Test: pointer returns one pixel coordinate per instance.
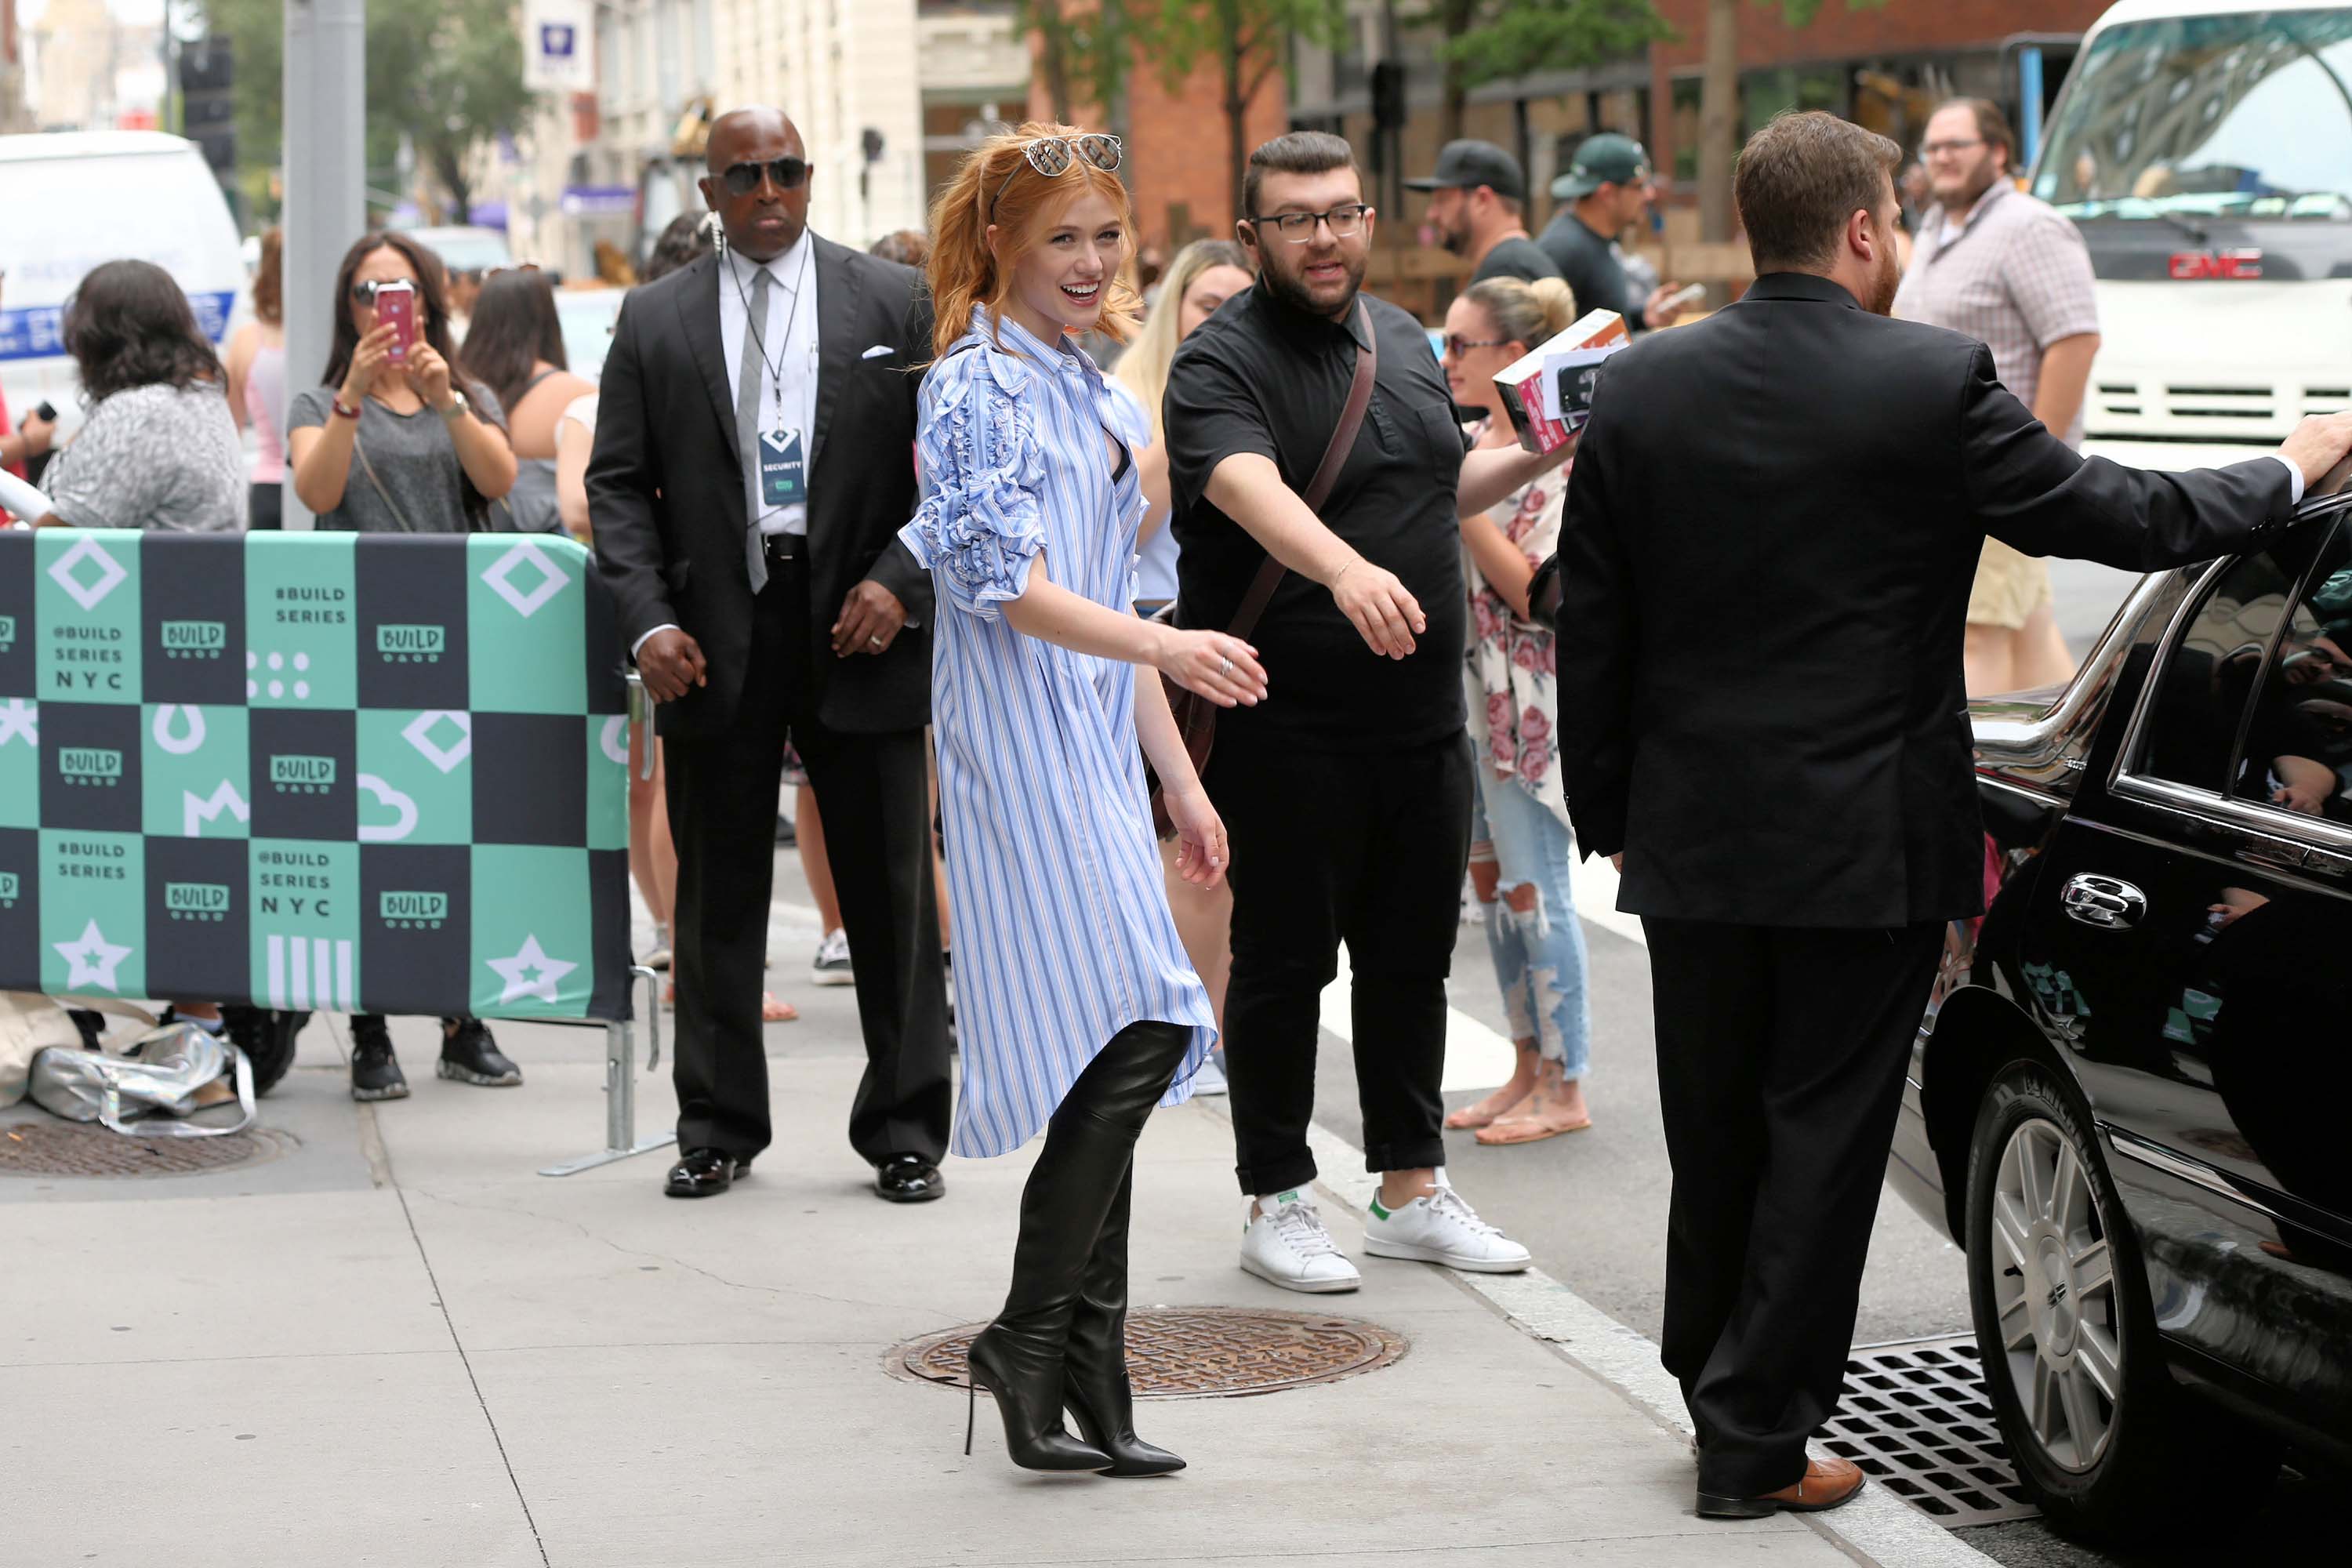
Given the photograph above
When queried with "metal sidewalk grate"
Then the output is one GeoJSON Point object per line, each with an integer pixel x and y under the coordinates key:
{"type": "Point", "coordinates": [1914, 1417]}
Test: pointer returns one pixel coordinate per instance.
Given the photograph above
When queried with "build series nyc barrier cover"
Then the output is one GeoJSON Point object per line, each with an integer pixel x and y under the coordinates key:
{"type": "Point", "coordinates": [331, 771]}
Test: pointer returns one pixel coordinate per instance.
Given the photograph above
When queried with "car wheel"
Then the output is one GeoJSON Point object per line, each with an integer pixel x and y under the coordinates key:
{"type": "Point", "coordinates": [267, 1037]}
{"type": "Point", "coordinates": [2098, 1430]}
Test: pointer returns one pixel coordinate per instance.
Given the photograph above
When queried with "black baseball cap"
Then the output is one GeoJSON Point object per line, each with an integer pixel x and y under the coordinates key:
{"type": "Point", "coordinates": [1468, 165]}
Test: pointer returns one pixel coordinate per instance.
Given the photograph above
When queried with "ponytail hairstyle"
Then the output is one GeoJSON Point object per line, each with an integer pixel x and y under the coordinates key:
{"type": "Point", "coordinates": [965, 271]}
{"type": "Point", "coordinates": [1526, 313]}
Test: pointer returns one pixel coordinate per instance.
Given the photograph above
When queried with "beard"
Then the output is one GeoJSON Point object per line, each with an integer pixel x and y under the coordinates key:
{"type": "Point", "coordinates": [1457, 241]}
{"type": "Point", "coordinates": [1286, 282]}
{"type": "Point", "coordinates": [1883, 284]}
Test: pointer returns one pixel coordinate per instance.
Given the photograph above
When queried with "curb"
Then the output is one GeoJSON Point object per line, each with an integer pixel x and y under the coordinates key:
{"type": "Point", "coordinates": [1877, 1527]}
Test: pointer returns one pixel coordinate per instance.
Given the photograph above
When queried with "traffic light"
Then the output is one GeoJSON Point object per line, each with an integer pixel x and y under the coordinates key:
{"type": "Point", "coordinates": [1387, 95]}
{"type": "Point", "coordinates": [207, 105]}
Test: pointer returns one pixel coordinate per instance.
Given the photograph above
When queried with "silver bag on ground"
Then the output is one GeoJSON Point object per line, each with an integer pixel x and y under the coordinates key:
{"type": "Point", "coordinates": [160, 1076]}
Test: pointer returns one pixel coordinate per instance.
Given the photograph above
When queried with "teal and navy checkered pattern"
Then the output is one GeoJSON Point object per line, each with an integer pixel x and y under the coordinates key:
{"type": "Point", "coordinates": [327, 770]}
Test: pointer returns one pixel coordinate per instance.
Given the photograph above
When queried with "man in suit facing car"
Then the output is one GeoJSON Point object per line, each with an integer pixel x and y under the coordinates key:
{"type": "Point", "coordinates": [1772, 527]}
{"type": "Point", "coordinates": [753, 467]}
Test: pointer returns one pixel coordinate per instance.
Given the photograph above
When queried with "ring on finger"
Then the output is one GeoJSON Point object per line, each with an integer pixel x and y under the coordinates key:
{"type": "Point", "coordinates": [1226, 668]}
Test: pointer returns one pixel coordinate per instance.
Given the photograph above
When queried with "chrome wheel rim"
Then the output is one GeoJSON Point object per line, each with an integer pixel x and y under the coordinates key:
{"type": "Point", "coordinates": [2053, 1288]}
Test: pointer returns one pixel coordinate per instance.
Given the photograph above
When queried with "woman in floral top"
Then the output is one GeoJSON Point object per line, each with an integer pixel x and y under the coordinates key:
{"type": "Point", "coordinates": [1521, 852]}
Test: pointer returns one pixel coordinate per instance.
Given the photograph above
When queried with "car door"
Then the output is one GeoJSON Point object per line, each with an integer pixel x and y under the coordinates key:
{"type": "Point", "coordinates": [2191, 940]}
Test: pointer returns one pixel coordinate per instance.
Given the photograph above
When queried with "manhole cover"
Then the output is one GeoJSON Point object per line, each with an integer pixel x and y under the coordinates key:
{"type": "Point", "coordinates": [1200, 1353]}
{"type": "Point", "coordinates": [1914, 1417]}
{"type": "Point", "coordinates": [70, 1149]}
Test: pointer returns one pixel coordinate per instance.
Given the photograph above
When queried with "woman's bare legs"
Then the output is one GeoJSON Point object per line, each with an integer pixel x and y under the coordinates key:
{"type": "Point", "coordinates": [1204, 920]}
{"type": "Point", "coordinates": [653, 859]}
{"type": "Point", "coordinates": [808, 831]}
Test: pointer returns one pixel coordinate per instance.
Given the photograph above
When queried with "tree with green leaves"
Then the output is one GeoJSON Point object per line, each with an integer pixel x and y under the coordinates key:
{"type": "Point", "coordinates": [1719, 103]}
{"type": "Point", "coordinates": [1246, 40]}
{"type": "Point", "coordinates": [1083, 50]}
{"type": "Point", "coordinates": [448, 74]}
{"type": "Point", "coordinates": [1495, 40]}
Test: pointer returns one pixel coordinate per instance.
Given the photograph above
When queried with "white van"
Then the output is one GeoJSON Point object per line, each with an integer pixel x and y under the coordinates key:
{"type": "Point", "coordinates": [79, 199]}
{"type": "Point", "coordinates": [2204, 149]}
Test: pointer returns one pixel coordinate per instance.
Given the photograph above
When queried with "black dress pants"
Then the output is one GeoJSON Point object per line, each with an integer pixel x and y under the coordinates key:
{"type": "Point", "coordinates": [1365, 847]}
{"type": "Point", "coordinates": [1781, 1060]}
{"type": "Point", "coordinates": [877, 833]}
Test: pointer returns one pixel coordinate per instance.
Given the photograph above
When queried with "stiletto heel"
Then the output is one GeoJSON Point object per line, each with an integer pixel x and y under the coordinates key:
{"type": "Point", "coordinates": [1028, 1395]}
{"type": "Point", "coordinates": [971, 1413]}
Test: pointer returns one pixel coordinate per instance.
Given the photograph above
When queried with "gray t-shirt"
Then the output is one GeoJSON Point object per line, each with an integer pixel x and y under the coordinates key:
{"type": "Point", "coordinates": [413, 455]}
{"type": "Point", "coordinates": [154, 457]}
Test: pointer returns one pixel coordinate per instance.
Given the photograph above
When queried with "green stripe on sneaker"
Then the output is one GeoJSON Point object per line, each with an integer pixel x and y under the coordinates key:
{"type": "Point", "coordinates": [1378, 1212]}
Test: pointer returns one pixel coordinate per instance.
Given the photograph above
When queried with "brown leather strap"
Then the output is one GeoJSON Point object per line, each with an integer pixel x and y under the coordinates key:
{"type": "Point", "coordinates": [1327, 474]}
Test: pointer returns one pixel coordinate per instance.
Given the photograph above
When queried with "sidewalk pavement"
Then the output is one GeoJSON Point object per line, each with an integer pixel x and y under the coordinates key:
{"type": "Point", "coordinates": [397, 1344]}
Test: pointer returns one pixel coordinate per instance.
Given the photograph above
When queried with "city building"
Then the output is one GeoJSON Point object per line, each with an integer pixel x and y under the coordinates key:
{"type": "Point", "coordinates": [90, 70]}
{"type": "Point", "coordinates": [973, 65]}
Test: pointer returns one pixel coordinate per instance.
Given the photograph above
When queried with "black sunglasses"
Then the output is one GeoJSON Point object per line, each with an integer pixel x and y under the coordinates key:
{"type": "Point", "coordinates": [788, 173]}
{"type": "Point", "coordinates": [363, 292]}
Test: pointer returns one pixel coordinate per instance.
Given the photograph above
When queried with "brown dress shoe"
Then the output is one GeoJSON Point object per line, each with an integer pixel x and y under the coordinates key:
{"type": "Point", "coordinates": [1825, 1484]}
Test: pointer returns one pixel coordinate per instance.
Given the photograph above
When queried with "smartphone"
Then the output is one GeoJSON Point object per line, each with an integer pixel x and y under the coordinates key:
{"type": "Point", "coordinates": [1683, 299]}
{"type": "Point", "coordinates": [395, 306]}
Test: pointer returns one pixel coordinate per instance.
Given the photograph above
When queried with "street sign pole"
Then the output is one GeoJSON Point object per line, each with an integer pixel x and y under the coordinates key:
{"type": "Point", "coordinates": [325, 124]}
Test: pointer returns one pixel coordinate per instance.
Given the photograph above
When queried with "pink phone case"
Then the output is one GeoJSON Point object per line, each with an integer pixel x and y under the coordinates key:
{"type": "Point", "coordinates": [397, 306]}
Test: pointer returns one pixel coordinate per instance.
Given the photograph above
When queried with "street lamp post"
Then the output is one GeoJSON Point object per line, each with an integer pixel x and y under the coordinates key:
{"type": "Point", "coordinates": [326, 166]}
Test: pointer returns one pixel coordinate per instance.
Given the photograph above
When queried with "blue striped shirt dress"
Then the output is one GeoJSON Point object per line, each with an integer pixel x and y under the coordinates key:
{"type": "Point", "coordinates": [1063, 934]}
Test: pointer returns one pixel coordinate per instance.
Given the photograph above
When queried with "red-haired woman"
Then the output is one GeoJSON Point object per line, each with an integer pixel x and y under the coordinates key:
{"type": "Point", "coordinates": [1075, 1005]}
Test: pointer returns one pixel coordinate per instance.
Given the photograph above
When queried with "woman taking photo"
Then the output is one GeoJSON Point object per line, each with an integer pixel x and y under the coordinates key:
{"type": "Point", "coordinates": [1077, 1008]}
{"type": "Point", "coordinates": [257, 383]}
{"type": "Point", "coordinates": [1204, 274]}
{"type": "Point", "coordinates": [1521, 849]}
{"type": "Point", "coordinates": [388, 449]}
{"type": "Point", "coordinates": [515, 344]}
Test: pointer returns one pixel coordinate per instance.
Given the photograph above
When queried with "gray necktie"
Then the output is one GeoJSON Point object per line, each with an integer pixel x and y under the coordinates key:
{"type": "Point", "coordinates": [747, 427]}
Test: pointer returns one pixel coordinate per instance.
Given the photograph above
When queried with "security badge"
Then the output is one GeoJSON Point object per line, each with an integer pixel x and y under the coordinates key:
{"type": "Point", "coordinates": [783, 471]}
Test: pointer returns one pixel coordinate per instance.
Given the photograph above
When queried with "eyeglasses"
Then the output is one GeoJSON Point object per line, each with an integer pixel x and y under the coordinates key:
{"type": "Point", "coordinates": [1940, 148]}
{"type": "Point", "coordinates": [1298, 228]}
{"type": "Point", "coordinates": [1053, 156]}
{"type": "Point", "coordinates": [1457, 345]}
{"type": "Point", "coordinates": [787, 173]}
{"type": "Point", "coordinates": [363, 292]}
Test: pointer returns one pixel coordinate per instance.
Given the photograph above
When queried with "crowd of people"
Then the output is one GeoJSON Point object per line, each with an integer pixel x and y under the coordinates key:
{"type": "Point", "coordinates": [1174, 681]}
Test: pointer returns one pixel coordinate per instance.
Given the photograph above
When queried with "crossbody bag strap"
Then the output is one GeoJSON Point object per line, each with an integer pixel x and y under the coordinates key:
{"type": "Point", "coordinates": [1327, 474]}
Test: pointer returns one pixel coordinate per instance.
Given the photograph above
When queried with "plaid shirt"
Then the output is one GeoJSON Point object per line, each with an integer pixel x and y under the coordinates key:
{"type": "Point", "coordinates": [2012, 274]}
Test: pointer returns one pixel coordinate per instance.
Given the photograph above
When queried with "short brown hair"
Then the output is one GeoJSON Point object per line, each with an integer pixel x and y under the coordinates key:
{"type": "Point", "coordinates": [1300, 153]}
{"type": "Point", "coordinates": [1992, 125]}
{"type": "Point", "coordinates": [1799, 178]}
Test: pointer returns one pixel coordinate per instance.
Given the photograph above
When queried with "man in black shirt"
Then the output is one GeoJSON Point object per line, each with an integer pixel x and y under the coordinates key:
{"type": "Point", "coordinates": [1347, 793]}
{"type": "Point", "coordinates": [1609, 185]}
{"type": "Point", "coordinates": [1477, 208]}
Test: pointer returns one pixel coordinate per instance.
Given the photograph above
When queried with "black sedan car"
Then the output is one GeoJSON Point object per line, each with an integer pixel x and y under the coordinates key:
{"type": "Point", "coordinates": [2131, 1097]}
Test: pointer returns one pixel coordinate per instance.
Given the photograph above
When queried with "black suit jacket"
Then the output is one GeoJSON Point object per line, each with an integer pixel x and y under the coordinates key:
{"type": "Point", "coordinates": [665, 486]}
{"type": "Point", "coordinates": [1771, 529]}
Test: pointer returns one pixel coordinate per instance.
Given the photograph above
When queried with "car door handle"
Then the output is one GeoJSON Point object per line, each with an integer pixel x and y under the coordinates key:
{"type": "Point", "coordinates": [2105, 901]}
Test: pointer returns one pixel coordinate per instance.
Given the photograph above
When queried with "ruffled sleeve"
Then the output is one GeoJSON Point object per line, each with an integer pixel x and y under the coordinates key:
{"type": "Point", "coordinates": [981, 521]}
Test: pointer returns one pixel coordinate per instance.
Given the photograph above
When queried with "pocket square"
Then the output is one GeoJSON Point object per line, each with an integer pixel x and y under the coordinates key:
{"type": "Point", "coordinates": [879, 351]}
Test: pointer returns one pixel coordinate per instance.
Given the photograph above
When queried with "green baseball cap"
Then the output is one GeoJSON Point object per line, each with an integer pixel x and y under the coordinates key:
{"type": "Point", "coordinates": [1607, 159]}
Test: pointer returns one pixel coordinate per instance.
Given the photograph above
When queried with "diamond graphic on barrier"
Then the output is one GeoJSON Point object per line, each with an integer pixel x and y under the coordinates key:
{"type": "Point", "coordinates": [93, 959]}
{"type": "Point", "coordinates": [110, 574]}
{"type": "Point", "coordinates": [20, 719]}
{"type": "Point", "coordinates": [531, 961]}
{"type": "Point", "coordinates": [419, 735]}
{"type": "Point", "coordinates": [552, 578]}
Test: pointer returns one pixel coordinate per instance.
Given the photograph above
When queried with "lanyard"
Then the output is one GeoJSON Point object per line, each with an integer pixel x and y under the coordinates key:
{"type": "Point", "coordinates": [775, 368]}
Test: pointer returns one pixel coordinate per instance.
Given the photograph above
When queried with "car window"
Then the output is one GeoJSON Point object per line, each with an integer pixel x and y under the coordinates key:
{"type": "Point", "coordinates": [2298, 748]}
{"type": "Point", "coordinates": [2202, 698]}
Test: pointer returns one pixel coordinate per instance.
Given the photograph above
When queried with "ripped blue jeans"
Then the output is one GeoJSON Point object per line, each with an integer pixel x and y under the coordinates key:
{"type": "Point", "coordinates": [1532, 931]}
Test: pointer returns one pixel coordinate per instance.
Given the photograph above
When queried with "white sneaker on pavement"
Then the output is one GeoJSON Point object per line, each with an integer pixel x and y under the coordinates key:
{"type": "Point", "coordinates": [1288, 1246]}
{"type": "Point", "coordinates": [1211, 1079]}
{"type": "Point", "coordinates": [831, 966]}
{"type": "Point", "coordinates": [1442, 1227]}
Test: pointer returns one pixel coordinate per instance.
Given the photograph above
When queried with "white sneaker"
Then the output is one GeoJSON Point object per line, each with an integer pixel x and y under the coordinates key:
{"type": "Point", "coordinates": [1442, 1228]}
{"type": "Point", "coordinates": [831, 964]}
{"type": "Point", "coordinates": [1288, 1246]}
{"type": "Point", "coordinates": [1211, 1079]}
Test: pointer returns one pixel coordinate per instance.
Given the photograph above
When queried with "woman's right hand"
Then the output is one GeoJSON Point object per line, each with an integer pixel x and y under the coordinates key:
{"type": "Point", "coordinates": [1224, 669]}
{"type": "Point", "coordinates": [368, 361]}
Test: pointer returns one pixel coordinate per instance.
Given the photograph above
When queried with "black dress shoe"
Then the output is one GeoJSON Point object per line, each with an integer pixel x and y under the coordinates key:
{"type": "Point", "coordinates": [704, 1174]}
{"type": "Point", "coordinates": [909, 1179]}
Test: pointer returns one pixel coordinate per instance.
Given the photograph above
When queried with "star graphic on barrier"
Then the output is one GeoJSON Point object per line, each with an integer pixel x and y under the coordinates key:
{"type": "Point", "coordinates": [531, 961]}
{"type": "Point", "coordinates": [20, 719]}
{"type": "Point", "coordinates": [93, 959]}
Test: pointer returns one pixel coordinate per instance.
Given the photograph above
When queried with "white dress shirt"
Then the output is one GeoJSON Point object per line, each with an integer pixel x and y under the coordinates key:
{"type": "Point", "coordinates": [790, 330]}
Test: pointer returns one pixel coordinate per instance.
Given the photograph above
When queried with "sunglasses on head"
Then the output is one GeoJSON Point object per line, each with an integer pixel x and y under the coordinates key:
{"type": "Point", "coordinates": [1056, 156]}
{"type": "Point", "coordinates": [786, 173]}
